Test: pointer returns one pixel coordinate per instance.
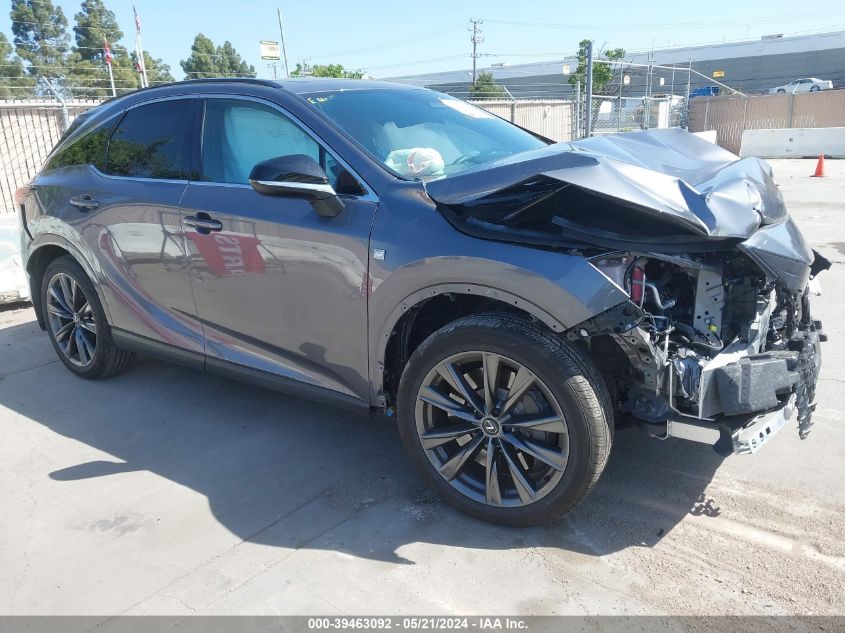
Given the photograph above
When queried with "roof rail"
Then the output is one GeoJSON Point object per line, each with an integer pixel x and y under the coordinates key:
{"type": "Point", "coordinates": [203, 80]}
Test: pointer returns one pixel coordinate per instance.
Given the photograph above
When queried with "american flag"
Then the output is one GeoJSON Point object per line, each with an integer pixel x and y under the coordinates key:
{"type": "Point", "coordinates": [137, 19]}
{"type": "Point", "coordinates": [107, 50]}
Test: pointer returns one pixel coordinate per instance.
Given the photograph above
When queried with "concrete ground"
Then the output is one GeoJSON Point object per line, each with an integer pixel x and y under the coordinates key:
{"type": "Point", "coordinates": [165, 491]}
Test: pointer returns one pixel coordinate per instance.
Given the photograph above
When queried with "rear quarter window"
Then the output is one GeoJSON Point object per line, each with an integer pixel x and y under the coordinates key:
{"type": "Point", "coordinates": [88, 149]}
{"type": "Point", "coordinates": [153, 141]}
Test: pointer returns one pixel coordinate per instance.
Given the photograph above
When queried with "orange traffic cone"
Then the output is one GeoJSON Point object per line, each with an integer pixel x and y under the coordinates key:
{"type": "Point", "coordinates": [819, 167]}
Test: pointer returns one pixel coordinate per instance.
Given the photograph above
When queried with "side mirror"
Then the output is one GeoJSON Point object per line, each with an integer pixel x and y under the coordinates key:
{"type": "Point", "coordinates": [297, 176]}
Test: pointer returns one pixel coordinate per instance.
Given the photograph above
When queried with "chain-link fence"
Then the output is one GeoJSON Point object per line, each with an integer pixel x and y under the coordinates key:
{"type": "Point", "coordinates": [611, 115]}
{"type": "Point", "coordinates": [28, 131]}
{"type": "Point", "coordinates": [627, 96]}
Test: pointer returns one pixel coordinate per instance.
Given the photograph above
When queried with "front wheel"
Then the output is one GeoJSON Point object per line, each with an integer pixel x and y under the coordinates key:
{"type": "Point", "coordinates": [509, 423]}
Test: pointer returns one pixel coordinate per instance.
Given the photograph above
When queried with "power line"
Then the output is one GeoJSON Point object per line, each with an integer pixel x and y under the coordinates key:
{"type": "Point", "coordinates": [416, 63]}
{"type": "Point", "coordinates": [790, 17]}
{"type": "Point", "coordinates": [392, 43]}
{"type": "Point", "coordinates": [65, 26]}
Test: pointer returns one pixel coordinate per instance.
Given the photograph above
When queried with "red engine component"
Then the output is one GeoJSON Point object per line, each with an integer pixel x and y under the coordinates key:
{"type": "Point", "coordinates": [637, 284]}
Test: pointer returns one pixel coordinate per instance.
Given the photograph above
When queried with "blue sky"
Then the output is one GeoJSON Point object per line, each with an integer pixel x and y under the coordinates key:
{"type": "Point", "coordinates": [388, 39]}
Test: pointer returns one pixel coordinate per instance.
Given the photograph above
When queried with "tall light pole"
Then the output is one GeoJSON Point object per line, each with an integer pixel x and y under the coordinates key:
{"type": "Point", "coordinates": [284, 50]}
{"type": "Point", "coordinates": [476, 39]}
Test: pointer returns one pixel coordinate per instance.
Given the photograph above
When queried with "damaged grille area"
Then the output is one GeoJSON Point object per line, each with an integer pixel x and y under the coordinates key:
{"type": "Point", "coordinates": [717, 341]}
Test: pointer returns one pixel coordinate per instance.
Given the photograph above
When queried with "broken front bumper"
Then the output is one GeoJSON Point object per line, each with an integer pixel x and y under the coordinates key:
{"type": "Point", "coordinates": [746, 439]}
{"type": "Point", "coordinates": [759, 394]}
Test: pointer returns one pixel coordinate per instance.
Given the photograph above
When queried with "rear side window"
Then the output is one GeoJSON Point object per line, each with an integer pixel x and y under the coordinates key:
{"type": "Point", "coordinates": [153, 141]}
{"type": "Point", "coordinates": [88, 149]}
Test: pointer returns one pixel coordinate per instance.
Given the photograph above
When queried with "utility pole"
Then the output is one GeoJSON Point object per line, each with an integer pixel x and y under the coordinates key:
{"type": "Point", "coordinates": [588, 90]}
{"type": "Point", "coordinates": [284, 50]}
{"type": "Point", "coordinates": [476, 39]}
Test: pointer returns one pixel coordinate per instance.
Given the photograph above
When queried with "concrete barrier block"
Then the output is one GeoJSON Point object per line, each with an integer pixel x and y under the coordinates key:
{"type": "Point", "coordinates": [794, 143]}
{"type": "Point", "coordinates": [13, 282]}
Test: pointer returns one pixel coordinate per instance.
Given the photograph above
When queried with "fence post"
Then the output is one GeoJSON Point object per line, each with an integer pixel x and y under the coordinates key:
{"type": "Point", "coordinates": [619, 112]}
{"type": "Point", "coordinates": [744, 117]}
{"type": "Point", "coordinates": [588, 92]}
{"type": "Point", "coordinates": [577, 110]}
{"type": "Point", "coordinates": [790, 109]}
{"type": "Point", "coordinates": [706, 113]}
{"type": "Point", "coordinates": [65, 120]}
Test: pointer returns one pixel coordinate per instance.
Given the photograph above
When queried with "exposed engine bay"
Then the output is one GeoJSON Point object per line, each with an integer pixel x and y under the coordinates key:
{"type": "Point", "coordinates": [716, 342]}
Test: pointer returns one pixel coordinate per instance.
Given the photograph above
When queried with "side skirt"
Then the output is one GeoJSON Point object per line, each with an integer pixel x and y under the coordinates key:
{"type": "Point", "coordinates": [142, 345]}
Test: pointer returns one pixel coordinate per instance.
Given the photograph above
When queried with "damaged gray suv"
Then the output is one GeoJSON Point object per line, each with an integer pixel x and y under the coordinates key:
{"type": "Point", "coordinates": [395, 250]}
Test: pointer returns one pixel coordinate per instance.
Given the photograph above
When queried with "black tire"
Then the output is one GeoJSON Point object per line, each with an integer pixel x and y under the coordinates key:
{"type": "Point", "coordinates": [781, 91]}
{"type": "Point", "coordinates": [563, 372]}
{"type": "Point", "coordinates": [814, 89]}
{"type": "Point", "coordinates": [107, 358]}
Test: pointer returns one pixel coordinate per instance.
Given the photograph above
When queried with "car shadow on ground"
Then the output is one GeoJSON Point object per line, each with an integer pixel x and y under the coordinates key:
{"type": "Point", "coordinates": [285, 472]}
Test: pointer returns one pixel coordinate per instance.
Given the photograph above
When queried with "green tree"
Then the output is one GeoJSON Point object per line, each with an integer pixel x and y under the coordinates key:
{"type": "Point", "coordinates": [326, 70]}
{"type": "Point", "coordinates": [94, 22]}
{"type": "Point", "coordinates": [230, 64]}
{"type": "Point", "coordinates": [41, 37]}
{"type": "Point", "coordinates": [602, 73]}
{"type": "Point", "coordinates": [88, 75]}
{"type": "Point", "coordinates": [157, 71]}
{"type": "Point", "coordinates": [208, 60]}
{"type": "Point", "coordinates": [15, 83]}
{"type": "Point", "coordinates": [485, 87]}
{"type": "Point", "coordinates": [201, 61]}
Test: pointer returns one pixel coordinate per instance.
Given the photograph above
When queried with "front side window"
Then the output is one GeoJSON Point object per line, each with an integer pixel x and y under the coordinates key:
{"type": "Point", "coordinates": [238, 134]}
{"type": "Point", "coordinates": [153, 141]}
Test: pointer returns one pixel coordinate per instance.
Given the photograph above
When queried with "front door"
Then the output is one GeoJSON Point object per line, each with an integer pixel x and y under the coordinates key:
{"type": "Point", "coordinates": [277, 287]}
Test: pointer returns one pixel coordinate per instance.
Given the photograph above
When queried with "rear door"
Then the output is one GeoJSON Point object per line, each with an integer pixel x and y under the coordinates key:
{"type": "Point", "coordinates": [278, 288]}
{"type": "Point", "coordinates": [132, 224]}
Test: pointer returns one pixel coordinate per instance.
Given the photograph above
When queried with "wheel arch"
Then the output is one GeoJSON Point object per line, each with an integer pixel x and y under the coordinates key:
{"type": "Point", "coordinates": [45, 250]}
{"type": "Point", "coordinates": [426, 310]}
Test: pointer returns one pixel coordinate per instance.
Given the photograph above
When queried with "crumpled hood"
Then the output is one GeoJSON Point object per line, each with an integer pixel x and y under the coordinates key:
{"type": "Point", "coordinates": [668, 175]}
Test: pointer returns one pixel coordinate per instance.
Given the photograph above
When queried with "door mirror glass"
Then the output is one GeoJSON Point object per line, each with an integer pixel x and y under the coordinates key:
{"type": "Point", "coordinates": [297, 176]}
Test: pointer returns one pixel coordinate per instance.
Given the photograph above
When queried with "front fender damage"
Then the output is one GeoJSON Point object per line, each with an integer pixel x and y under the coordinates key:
{"type": "Point", "coordinates": [716, 342]}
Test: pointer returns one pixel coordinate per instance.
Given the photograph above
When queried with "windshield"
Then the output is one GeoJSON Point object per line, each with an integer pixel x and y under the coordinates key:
{"type": "Point", "coordinates": [420, 133]}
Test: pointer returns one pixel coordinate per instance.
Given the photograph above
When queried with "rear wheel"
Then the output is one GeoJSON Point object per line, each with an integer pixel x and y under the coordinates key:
{"type": "Point", "coordinates": [814, 89]}
{"type": "Point", "coordinates": [77, 323]}
{"type": "Point", "coordinates": [508, 422]}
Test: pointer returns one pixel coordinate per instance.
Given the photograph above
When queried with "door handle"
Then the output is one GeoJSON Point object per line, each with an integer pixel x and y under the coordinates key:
{"type": "Point", "coordinates": [84, 202]}
{"type": "Point", "coordinates": [203, 224]}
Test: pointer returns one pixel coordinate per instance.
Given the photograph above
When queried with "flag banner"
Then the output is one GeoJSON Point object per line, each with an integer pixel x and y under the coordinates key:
{"type": "Point", "coordinates": [107, 51]}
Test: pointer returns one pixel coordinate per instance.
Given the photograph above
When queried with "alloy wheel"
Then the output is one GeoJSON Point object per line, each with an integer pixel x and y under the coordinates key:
{"type": "Point", "coordinates": [492, 429]}
{"type": "Point", "coordinates": [71, 320]}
